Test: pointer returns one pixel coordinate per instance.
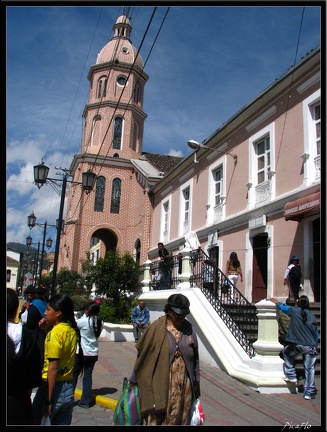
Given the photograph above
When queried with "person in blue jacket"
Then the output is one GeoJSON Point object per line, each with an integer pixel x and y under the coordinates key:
{"type": "Point", "coordinates": [302, 338]}
{"type": "Point", "coordinates": [140, 318]}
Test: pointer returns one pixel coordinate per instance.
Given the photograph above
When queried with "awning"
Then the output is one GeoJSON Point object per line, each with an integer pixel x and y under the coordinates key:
{"type": "Point", "coordinates": [303, 207]}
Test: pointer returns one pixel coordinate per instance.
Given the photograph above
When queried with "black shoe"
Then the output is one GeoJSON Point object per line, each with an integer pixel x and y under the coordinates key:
{"type": "Point", "coordinates": [83, 405]}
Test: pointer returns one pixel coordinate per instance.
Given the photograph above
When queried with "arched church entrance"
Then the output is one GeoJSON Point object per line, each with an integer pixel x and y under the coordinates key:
{"type": "Point", "coordinates": [108, 240]}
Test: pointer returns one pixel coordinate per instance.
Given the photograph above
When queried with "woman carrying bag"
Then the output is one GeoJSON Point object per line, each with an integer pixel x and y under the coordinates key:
{"type": "Point", "coordinates": [167, 366]}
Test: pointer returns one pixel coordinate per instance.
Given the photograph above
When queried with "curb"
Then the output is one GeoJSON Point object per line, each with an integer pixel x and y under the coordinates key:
{"type": "Point", "coordinates": [99, 400]}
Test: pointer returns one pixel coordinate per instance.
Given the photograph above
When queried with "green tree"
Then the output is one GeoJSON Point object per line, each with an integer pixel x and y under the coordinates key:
{"type": "Point", "coordinates": [113, 276]}
{"type": "Point", "coordinates": [70, 282]}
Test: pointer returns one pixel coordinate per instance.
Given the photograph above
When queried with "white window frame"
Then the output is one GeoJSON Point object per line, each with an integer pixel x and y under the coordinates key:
{"type": "Point", "coordinates": [165, 219]}
{"type": "Point", "coordinates": [95, 126]}
{"type": "Point", "coordinates": [102, 87]}
{"type": "Point", "coordinates": [263, 192]}
{"type": "Point", "coordinates": [185, 226]}
{"type": "Point", "coordinates": [216, 212]}
{"type": "Point", "coordinates": [136, 136]}
{"type": "Point", "coordinates": [310, 156]}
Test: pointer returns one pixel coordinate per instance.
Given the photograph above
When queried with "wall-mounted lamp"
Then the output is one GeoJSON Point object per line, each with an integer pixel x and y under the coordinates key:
{"type": "Point", "coordinates": [194, 145]}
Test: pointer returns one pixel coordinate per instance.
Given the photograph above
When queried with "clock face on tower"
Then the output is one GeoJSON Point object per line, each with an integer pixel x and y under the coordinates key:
{"type": "Point", "coordinates": [121, 80]}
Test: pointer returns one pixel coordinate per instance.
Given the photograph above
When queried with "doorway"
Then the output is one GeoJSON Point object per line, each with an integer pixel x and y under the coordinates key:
{"type": "Point", "coordinates": [259, 245]}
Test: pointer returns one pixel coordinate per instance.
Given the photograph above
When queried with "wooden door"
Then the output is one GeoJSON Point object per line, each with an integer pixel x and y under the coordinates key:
{"type": "Point", "coordinates": [259, 283]}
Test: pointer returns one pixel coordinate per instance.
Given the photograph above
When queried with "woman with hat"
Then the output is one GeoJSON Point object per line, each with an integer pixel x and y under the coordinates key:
{"type": "Point", "coordinates": [167, 366]}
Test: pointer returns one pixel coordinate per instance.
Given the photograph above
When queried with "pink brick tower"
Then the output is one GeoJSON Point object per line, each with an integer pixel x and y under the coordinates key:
{"type": "Point", "coordinates": [117, 213]}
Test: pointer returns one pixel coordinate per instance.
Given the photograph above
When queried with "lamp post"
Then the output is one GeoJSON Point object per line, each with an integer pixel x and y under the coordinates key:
{"type": "Point", "coordinates": [194, 145]}
{"type": "Point", "coordinates": [36, 260]}
{"type": "Point", "coordinates": [40, 178]}
{"type": "Point", "coordinates": [31, 222]}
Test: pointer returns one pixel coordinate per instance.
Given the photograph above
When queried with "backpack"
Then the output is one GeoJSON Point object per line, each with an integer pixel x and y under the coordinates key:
{"type": "Point", "coordinates": [295, 272]}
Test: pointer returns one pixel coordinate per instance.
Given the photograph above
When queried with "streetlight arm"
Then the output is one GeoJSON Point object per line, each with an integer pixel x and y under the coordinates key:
{"type": "Point", "coordinates": [194, 145]}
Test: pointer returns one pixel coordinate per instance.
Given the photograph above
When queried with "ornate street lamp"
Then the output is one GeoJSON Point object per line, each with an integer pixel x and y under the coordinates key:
{"type": "Point", "coordinates": [41, 177]}
{"type": "Point", "coordinates": [31, 222]}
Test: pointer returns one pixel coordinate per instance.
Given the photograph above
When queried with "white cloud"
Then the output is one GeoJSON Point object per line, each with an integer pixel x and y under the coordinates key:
{"type": "Point", "coordinates": [206, 64]}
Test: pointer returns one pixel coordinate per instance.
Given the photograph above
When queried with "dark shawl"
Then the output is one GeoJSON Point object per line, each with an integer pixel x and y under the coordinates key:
{"type": "Point", "coordinates": [151, 370]}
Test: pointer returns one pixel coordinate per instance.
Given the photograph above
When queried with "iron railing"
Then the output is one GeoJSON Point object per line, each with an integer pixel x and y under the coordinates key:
{"type": "Point", "coordinates": [234, 309]}
{"type": "Point", "coordinates": [230, 304]}
{"type": "Point", "coordinates": [166, 276]}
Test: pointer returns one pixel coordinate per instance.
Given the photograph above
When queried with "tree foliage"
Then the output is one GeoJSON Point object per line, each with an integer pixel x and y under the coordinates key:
{"type": "Point", "coordinates": [115, 274]}
{"type": "Point", "coordinates": [70, 282]}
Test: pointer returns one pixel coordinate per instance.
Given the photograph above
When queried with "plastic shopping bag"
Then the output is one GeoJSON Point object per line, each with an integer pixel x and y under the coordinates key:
{"type": "Point", "coordinates": [196, 417]}
{"type": "Point", "coordinates": [128, 408]}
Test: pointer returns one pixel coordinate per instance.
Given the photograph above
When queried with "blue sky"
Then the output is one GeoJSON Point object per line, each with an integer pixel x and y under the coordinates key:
{"type": "Point", "coordinates": [206, 64]}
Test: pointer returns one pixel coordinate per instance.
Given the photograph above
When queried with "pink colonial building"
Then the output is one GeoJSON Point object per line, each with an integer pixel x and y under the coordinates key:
{"type": "Point", "coordinates": [252, 186]}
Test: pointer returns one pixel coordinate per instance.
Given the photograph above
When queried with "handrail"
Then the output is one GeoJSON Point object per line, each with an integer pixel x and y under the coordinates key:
{"type": "Point", "coordinates": [173, 270]}
{"type": "Point", "coordinates": [234, 309]}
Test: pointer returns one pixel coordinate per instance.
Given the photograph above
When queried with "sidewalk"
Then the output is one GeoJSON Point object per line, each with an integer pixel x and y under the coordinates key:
{"type": "Point", "coordinates": [225, 400]}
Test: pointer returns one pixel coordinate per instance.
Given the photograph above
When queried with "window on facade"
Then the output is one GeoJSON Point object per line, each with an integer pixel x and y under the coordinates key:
{"type": "Point", "coordinates": [94, 241]}
{"type": "Point", "coordinates": [99, 194]}
{"type": "Point", "coordinates": [138, 251]}
{"type": "Point", "coordinates": [102, 87]}
{"type": "Point", "coordinates": [262, 148]}
{"type": "Point", "coordinates": [166, 216]}
{"type": "Point", "coordinates": [95, 135]}
{"type": "Point", "coordinates": [186, 195]}
{"type": "Point", "coordinates": [136, 136]}
{"type": "Point", "coordinates": [8, 275]}
{"type": "Point", "coordinates": [218, 180]}
{"type": "Point", "coordinates": [115, 196]}
{"type": "Point", "coordinates": [117, 135]}
{"type": "Point", "coordinates": [316, 119]}
{"type": "Point", "coordinates": [137, 94]}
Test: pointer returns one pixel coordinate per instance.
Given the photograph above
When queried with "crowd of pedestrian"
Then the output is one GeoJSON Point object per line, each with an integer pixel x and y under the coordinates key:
{"type": "Point", "coordinates": [52, 350]}
{"type": "Point", "coordinates": [42, 345]}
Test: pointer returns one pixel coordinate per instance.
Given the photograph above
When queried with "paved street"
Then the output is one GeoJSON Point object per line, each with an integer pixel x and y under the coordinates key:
{"type": "Point", "coordinates": [225, 400]}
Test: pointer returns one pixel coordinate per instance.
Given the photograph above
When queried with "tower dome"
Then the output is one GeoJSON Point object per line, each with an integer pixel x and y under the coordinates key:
{"type": "Point", "coordinates": [120, 47]}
